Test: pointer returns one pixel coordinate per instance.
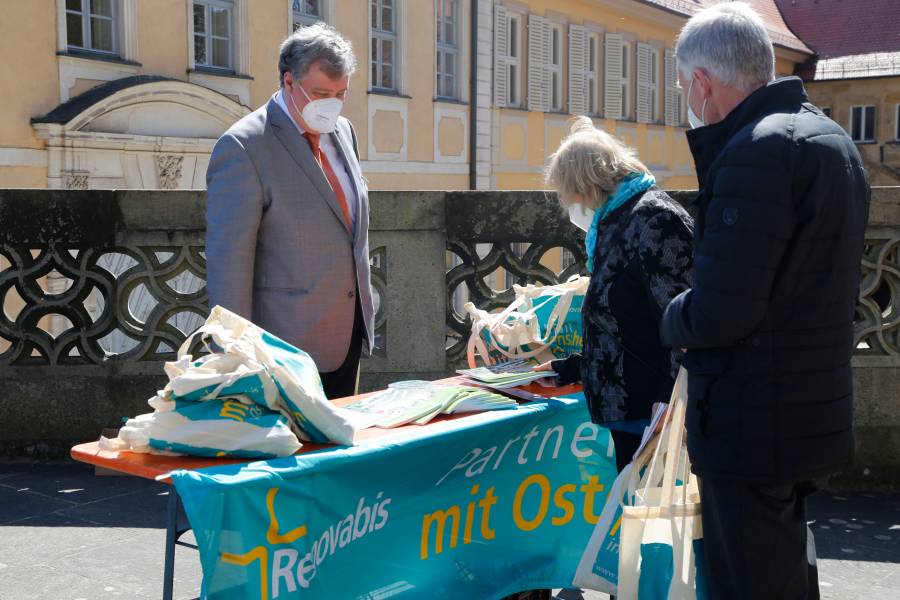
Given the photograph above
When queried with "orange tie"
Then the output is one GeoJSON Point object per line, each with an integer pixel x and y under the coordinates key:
{"type": "Point", "coordinates": [322, 159]}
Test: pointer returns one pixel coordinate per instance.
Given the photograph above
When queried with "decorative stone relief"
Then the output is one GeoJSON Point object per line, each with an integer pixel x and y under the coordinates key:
{"type": "Point", "coordinates": [168, 170]}
{"type": "Point", "coordinates": [76, 180]}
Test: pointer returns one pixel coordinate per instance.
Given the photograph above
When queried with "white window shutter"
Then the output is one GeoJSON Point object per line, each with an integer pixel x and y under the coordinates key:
{"type": "Point", "coordinates": [613, 76]}
{"type": "Point", "coordinates": [578, 62]}
{"type": "Point", "coordinates": [548, 59]}
{"type": "Point", "coordinates": [673, 104]}
{"type": "Point", "coordinates": [538, 75]}
{"type": "Point", "coordinates": [643, 83]}
{"type": "Point", "coordinates": [501, 52]}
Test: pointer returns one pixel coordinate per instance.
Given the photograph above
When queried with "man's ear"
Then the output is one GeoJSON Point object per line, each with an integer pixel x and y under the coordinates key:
{"type": "Point", "coordinates": [705, 81]}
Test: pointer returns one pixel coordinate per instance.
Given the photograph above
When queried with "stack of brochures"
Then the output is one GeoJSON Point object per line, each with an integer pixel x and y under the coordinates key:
{"type": "Point", "coordinates": [420, 401]}
{"type": "Point", "coordinates": [506, 375]}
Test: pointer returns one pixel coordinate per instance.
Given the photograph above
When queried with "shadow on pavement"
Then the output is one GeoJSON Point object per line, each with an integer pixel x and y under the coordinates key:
{"type": "Point", "coordinates": [68, 493]}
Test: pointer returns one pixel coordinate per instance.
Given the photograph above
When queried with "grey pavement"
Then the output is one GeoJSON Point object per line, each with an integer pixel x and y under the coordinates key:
{"type": "Point", "coordinates": [67, 534]}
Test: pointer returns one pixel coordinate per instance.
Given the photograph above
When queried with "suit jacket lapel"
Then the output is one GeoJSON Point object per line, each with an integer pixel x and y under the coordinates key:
{"type": "Point", "coordinates": [286, 132]}
{"type": "Point", "coordinates": [355, 173]}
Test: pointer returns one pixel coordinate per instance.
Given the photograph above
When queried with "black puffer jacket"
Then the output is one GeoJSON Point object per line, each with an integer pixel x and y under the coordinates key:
{"type": "Point", "coordinates": [768, 324]}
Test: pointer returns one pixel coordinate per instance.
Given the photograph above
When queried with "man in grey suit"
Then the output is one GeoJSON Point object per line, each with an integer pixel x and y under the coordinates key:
{"type": "Point", "coordinates": [287, 214]}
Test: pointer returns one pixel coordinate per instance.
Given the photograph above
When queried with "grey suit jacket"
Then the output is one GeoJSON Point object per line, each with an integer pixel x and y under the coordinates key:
{"type": "Point", "coordinates": [277, 250]}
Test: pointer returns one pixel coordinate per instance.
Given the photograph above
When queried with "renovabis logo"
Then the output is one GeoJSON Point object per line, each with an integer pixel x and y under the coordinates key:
{"type": "Point", "coordinates": [288, 570]}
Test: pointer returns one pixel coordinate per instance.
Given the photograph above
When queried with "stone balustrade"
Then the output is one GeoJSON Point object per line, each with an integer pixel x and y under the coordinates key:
{"type": "Point", "coordinates": [99, 288]}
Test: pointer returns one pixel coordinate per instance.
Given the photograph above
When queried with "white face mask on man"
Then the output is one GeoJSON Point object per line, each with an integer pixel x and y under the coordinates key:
{"type": "Point", "coordinates": [320, 115]}
{"type": "Point", "coordinates": [693, 119]}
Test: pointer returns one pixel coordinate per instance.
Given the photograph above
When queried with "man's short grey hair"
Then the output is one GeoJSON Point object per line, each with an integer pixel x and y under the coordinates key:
{"type": "Point", "coordinates": [730, 41]}
{"type": "Point", "coordinates": [317, 43]}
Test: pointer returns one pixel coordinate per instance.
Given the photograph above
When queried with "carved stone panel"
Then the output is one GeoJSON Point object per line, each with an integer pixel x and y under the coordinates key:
{"type": "Point", "coordinates": [168, 170]}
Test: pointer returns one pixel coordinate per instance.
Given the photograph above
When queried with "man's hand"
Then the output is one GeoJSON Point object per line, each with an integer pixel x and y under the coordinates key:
{"type": "Point", "coordinates": [547, 366]}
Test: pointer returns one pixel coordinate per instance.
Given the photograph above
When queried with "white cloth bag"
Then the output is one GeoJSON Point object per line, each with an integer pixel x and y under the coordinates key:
{"type": "Point", "coordinates": [293, 371]}
{"type": "Point", "coordinates": [599, 565]}
{"type": "Point", "coordinates": [515, 333]}
{"type": "Point", "coordinates": [660, 551]}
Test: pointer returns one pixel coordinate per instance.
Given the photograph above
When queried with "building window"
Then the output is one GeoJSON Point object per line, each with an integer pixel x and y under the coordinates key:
{"type": "Point", "coordinates": [653, 86]}
{"type": "Point", "coordinates": [213, 26]}
{"type": "Point", "coordinates": [674, 95]}
{"type": "Point", "coordinates": [514, 61]}
{"type": "Point", "coordinates": [555, 67]}
{"type": "Point", "coordinates": [306, 12]}
{"type": "Point", "coordinates": [508, 46]}
{"type": "Point", "coordinates": [590, 74]}
{"type": "Point", "coordinates": [862, 123]}
{"type": "Point", "coordinates": [384, 45]}
{"type": "Point", "coordinates": [447, 48]}
{"type": "Point", "coordinates": [647, 84]}
{"type": "Point", "coordinates": [91, 25]}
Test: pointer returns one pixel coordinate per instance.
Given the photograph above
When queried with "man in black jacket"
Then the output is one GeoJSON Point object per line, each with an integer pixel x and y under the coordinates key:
{"type": "Point", "coordinates": [768, 323]}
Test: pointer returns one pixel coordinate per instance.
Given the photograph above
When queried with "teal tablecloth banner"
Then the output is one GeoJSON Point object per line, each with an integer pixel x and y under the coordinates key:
{"type": "Point", "coordinates": [479, 507]}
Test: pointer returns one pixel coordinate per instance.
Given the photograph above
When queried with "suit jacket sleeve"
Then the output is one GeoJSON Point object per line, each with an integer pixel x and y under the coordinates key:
{"type": "Point", "coordinates": [234, 206]}
{"type": "Point", "coordinates": [749, 221]}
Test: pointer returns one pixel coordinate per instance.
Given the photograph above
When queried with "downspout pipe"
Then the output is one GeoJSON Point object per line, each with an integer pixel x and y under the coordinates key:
{"type": "Point", "coordinates": [473, 95]}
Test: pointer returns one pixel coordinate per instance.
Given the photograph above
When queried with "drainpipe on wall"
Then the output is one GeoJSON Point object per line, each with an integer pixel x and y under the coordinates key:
{"type": "Point", "coordinates": [473, 94]}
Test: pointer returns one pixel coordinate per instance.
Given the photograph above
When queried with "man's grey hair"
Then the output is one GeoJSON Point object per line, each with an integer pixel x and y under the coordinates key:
{"type": "Point", "coordinates": [730, 41]}
{"type": "Point", "coordinates": [317, 43]}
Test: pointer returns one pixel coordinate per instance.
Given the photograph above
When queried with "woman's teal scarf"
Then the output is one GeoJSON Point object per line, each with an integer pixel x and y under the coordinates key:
{"type": "Point", "coordinates": [627, 189]}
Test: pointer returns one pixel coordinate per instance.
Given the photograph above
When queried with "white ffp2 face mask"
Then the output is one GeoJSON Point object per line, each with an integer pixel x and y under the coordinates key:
{"type": "Point", "coordinates": [693, 119]}
{"type": "Point", "coordinates": [581, 216]}
{"type": "Point", "coordinates": [320, 115]}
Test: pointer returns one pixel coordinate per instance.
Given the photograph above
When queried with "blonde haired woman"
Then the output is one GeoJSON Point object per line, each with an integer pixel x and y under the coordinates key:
{"type": "Point", "coordinates": [639, 249]}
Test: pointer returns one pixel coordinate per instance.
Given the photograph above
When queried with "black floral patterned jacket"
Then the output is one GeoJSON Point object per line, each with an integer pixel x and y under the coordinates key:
{"type": "Point", "coordinates": [642, 261]}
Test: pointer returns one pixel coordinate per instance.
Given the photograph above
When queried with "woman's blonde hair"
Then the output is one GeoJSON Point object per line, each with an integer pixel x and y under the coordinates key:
{"type": "Point", "coordinates": [590, 163]}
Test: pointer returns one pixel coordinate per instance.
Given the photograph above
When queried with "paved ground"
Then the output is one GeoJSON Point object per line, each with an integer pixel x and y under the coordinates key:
{"type": "Point", "coordinates": [66, 534]}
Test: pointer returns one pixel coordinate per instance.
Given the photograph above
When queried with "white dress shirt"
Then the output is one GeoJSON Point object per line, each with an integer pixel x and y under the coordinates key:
{"type": "Point", "coordinates": [327, 144]}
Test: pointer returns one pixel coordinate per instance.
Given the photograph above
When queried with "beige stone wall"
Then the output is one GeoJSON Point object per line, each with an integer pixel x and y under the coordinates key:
{"type": "Point", "coordinates": [884, 94]}
{"type": "Point", "coordinates": [268, 28]}
{"type": "Point", "coordinates": [352, 19]}
{"type": "Point", "coordinates": [23, 177]}
{"type": "Point", "coordinates": [416, 181]}
{"type": "Point", "coordinates": [527, 137]}
{"type": "Point", "coordinates": [29, 80]}
{"type": "Point", "coordinates": [413, 129]}
{"type": "Point", "coordinates": [163, 37]}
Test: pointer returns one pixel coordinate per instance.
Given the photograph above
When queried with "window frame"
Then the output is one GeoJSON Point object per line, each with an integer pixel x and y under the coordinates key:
{"type": "Point", "coordinates": [445, 50]}
{"type": "Point", "coordinates": [228, 5]}
{"type": "Point", "coordinates": [304, 19]}
{"type": "Point", "coordinates": [864, 122]}
{"type": "Point", "coordinates": [85, 17]}
{"type": "Point", "coordinates": [376, 61]}
{"type": "Point", "coordinates": [653, 85]}
{"type": "Point", "coordinates": [625, 82]}
{"type": "Point", "coordinates": [592, 77]}
{"type": "Point", "coordinates": [514, 62]}
{"type": "Point", "coordinates": [555, 69]}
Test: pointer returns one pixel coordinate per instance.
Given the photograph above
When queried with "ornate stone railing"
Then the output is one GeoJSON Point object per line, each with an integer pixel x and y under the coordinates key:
{"type": "Point", "coordinates": [100, 287]}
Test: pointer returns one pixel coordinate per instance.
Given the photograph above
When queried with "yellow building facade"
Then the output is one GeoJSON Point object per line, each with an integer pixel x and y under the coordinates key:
{"type": "Point", "coordinates": [869, 110]}
{"type": "Point", "coordinates": [133, 93]}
